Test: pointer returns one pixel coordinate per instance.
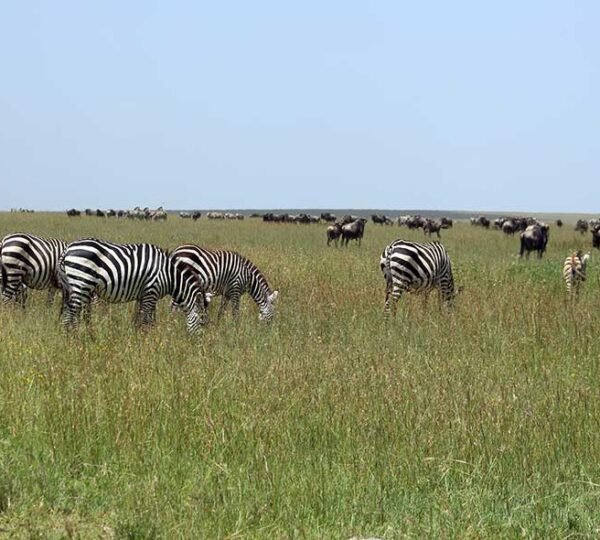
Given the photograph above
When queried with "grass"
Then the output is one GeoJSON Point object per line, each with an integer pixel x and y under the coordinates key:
{"type": "Point", "coordinates": [327, 424]}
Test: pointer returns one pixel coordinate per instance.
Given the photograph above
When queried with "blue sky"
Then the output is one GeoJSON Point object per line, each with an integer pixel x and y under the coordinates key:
{"type": "Point", "coordinates": [434, 105]}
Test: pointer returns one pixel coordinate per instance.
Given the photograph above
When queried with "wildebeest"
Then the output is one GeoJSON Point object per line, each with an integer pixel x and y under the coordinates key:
{"type": "Point", "coordinates": [415, 222]}
{"type": "Point", "coordinates": [559, 223]}
{"type": "Point", "coordinates": [534, 238]}
{"type": "Point", "coordinates": [99, 213]}
{"type": "Point", "coordinates": [432, 226]}
{"type": "Point", "coordinates": [508, 227]}
{"type": "Point", "coordinates": [581, 226]}
{"type": "Point", "coordinates": [446, 223]}
{"type": "Point", "coordinates": [196, 215]}
{"type": "Point", "coordinates": [381, 219]}
{"type": "Point", "coordinates": [353, 231]}
{"type": "Point", "coordinates": [327, 216]}
{"type": "Point", "coordinates": [596, 237]}
{"type": "Point", "coordinates": [276, 218]}
{"type": "Point", "coordinates": [481, 221]}
{"type": "Point", "coordinates": [73, 212]}
{"type": "Point", "coordinates": [348, 219]}
{"type": "Point", "coordinates": [333, 233]}
{"type": "Point", "coordinates": [185, 215]}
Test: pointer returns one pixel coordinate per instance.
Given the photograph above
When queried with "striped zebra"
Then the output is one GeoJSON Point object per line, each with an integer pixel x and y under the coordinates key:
{"type": "Point", "coordinates": [574, 271]}
{"type": "Point", "coordinates": [413, 267]}
{"type": "Point", "coordinates": [229, 274]}
{"type": "Point", "coordinates": [128, 272]}
{"type": "Point", "coordinates": [28, 261]}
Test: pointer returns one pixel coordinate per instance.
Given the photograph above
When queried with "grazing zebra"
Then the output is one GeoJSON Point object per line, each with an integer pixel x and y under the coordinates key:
{"type": "Point", "coordinates": [127, 272]}
{"type": "Point", "coordinates": [410, 266]}
{"type": "Point", "coordinates": [28, 261]}
{"type": "Point", "coordinates": [231, 275]}
{"type": "Point", "coordinates": [574, 271]}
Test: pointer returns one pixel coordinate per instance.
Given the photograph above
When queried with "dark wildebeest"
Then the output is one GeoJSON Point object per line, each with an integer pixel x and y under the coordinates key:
{"type": "Point", "coordinates": [534, 238]}
{"type": "Point", "coordinates": [196, 215]}
{"type": "Point", "coordinates": [508, 227]}
{"type": "Point", "coordinates": [347, 219]}
{"type": "Point", "coordinates": [559, 223]}
{"type": "Point", "coordinates": [379, 220]}
{"type": "Point", "coordinates": [446, 223]}
{"type": "Point", "coordinates": [111, 213]}
{"type": "Point", "coordinates": [415, 222]}
{"type": "Point", "coordinates": [333, 233]}
{"type": "Point", "coordinates": [432, 226]}
{"type": "Point", "coordinates": [596, 237]}
{"type": "Point", "coordinates": [99, 213]}
{"type": "Point", "coordinates": [353, 231]}
{"type": "Point", "coordinates": [484, 222]}
{"type": "Point", "coordinates": [89, 212]}
{"type": "Point", "coordinates": [581, 226]}
{"type": "Point", "coordinates": [327, 216]}
{"type": "Point", "coordinates": [73, 212]}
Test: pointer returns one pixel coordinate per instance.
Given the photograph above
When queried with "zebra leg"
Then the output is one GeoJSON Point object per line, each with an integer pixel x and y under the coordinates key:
{"type": "Point", "coordinates": [392, 295]}
{"type": "Point", "coordinates": [13, 289]}
{"type": "Point", "coordinates": [72, 310]}
{"type": "Point", "coordinates": [147, 310]}
{"type": "Point", "coordinates": [235, 304]}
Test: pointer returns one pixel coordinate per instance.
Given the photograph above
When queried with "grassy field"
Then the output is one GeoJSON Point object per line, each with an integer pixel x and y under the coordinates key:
{"type": "Point", "coordinates": [484, 423]}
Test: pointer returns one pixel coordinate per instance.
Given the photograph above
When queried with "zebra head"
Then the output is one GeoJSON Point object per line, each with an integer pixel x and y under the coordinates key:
{"type": "Point", "coordinates": [267, 308]}
{"type": "Point", "coordinates": [190, 297]}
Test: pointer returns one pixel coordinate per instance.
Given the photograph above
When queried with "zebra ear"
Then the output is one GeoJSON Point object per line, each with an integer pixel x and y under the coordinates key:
{"type": "Point", "coordinates": [273, 297]}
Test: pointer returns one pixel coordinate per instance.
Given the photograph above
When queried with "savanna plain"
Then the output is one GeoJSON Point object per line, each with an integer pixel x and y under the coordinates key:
{"type": "Point", "coordinates": [479, 422]}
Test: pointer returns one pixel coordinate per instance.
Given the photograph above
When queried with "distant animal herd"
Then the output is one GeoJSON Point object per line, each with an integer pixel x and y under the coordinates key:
{"type": "Point", "coordinates": [89, 269]}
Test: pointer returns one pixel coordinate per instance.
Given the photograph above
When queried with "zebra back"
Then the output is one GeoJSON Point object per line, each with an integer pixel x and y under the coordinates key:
{"type": "Point", "coordinates": [413, 266]}
{"type": "Point", "coordinates": [127, 272]}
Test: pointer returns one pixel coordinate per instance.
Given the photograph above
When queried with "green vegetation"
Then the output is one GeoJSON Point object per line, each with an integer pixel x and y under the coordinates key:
{"type": "Point", "coordinates": [327, 424]}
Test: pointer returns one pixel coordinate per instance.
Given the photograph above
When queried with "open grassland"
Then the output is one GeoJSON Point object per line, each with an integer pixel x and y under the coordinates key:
{"type": "Point", "coordinates": [329, 423]}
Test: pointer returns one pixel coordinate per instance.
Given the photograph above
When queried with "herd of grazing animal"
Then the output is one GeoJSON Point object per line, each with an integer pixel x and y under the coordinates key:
{"type": "Point", "coordinates": [90, 269]}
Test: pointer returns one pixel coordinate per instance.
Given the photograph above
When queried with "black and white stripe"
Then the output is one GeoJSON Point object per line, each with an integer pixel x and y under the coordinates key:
{"type": "Point", "coordinates": [29, 261]}
{"type": "Point", "coordinates": [411, 266]}
{"type": "Point", "coordinates": [230, 274]}
{"type": "Point", "coordinates": [128, 272]}
{"type": "Point", "coordinates": [574, 271]}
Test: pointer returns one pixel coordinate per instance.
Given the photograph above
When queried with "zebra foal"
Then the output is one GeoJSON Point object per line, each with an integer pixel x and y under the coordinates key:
{"type": "Point", "coordinates": [413, 267]}
{"type": "Point", "coordinates": [28, 261]}
{"type": "Point", "coordinates": [229, 274]}
{"type": "Point", "coordinates": [124, 273]}
{"type": "Point", "coordinates": [574, 271]}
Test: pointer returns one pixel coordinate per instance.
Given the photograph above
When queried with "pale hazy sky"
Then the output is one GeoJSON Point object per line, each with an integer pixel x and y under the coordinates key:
{"type": "Point", "coordinates": [340, 104]}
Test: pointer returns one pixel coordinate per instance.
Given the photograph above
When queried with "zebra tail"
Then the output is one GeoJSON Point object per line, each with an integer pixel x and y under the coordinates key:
{"type": "Point", "coordinates": [387, 271]}
{"type": "Point", "coordinates": [62, 280]}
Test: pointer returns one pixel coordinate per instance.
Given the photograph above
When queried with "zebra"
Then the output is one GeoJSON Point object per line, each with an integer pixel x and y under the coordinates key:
{"type": "Point", "coordinates": [28, 261]}
{"type": "Point", "coordinates": [229, 274]}
{"type": "Point", "coordinates": [411, 266]}
{"type": "Point", "coordinates": [574, 270]}
{"type": "Point", "coordinates": [127, 272]}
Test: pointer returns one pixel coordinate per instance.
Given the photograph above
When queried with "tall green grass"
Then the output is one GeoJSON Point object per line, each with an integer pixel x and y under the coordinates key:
{"type": "Point", "coordinates": [327, 424]}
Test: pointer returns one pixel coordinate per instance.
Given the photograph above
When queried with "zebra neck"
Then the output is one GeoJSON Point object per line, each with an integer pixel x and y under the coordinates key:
{"type": "Point", "coordinates": [259, 289]}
